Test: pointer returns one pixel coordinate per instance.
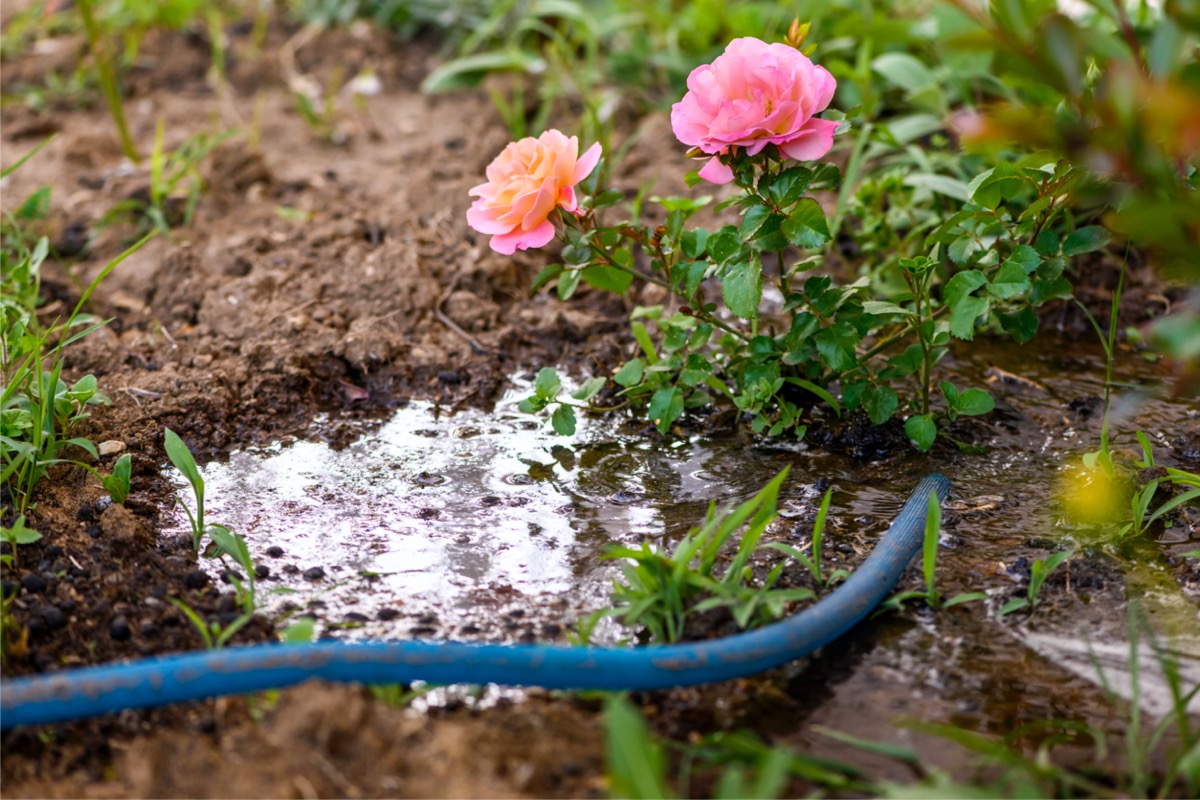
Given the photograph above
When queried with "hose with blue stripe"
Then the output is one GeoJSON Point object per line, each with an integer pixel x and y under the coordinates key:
{"type": "Point", "coordinates": [74, 694]}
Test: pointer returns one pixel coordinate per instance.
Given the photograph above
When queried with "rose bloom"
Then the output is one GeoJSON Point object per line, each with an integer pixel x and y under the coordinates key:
{"type": "Point", "coordinates": [752, 95]}
{"type": "Point", "coordinates": [525, 184]}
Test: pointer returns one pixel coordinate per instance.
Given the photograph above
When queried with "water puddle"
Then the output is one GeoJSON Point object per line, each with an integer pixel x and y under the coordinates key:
{"type": "Point", "coordinates": [487, 526]}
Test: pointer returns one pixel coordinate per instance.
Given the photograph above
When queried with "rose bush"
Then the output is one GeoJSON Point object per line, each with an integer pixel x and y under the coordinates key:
{"type": "Point", "coordinates": [752, 95]}
{"type": "Point", "coordinates": [526, 182]}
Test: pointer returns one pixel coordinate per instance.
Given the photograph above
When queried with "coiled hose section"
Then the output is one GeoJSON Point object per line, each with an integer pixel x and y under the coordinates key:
{"type": "Point", "coordinates": [74, 694]}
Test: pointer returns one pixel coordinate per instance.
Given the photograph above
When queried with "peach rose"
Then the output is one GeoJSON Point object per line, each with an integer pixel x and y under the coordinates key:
{"type": "Point", "coordinates": [752, 95]}
{"type": "Point", "coordinates": [525, 184]}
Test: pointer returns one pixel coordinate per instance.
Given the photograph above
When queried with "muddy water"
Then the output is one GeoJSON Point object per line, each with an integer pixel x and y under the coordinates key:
{"type": "Point", "coordinates": [488, 526]}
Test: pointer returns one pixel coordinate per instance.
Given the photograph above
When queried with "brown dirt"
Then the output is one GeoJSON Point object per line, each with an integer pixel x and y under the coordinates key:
{"type": "Point", "coordinates": [314, 278]}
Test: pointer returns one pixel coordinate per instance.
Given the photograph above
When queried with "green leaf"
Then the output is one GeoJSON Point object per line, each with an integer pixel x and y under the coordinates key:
{"type": "Point", "coordinates": [1010, 281]}
{"type": "Point", "coordinates": [921, 430]}
{"type": "Point", "coordinates": [879, 308]}
{"type": "Point", "coordinates": [19, 534]}
{"type": "Point", "coordinates": [589, 388]}
{"type": "Point", "coordinates": [563, 420]}
{"type": "Point", "coordinates": [1021, 325]}
{"type": "Point", "coordinates": [608, 279]}
{"type": "Point", "coordinates": [468, 72]}
{"type": "Point", "coordinates": [631, 373]}
{"type": "Point", "coordinates": [1085, 240]}
{"type": "Point", "coordinates": [961, 285]}
{"type": "Point", "coordinates": [753, 219]}
{"type": "Point", "coordinates": [836, 345]}
{"type": "Point", "coordinates": [1044, 291]}
{"type": "Point", "coordinates": [665, 407]}
{"type": "Point", "coordinates": [117, 484]}
{"type": "Point", "coordinates": [181, 457]}
{"type": "Point", "coordinates": [725, 245]}
{"type": "Point", "coordinates": [941, 184]}
{"type": "Point", "coordinates": [806, 225]}
{"type": "Point", "coordinates": [547, 385]}
{"type": "Point", "coordinates": [1016, 604]}
{"type": "Point", "coordinates": [742, 288]}
{"type": "Point", "coordinates": [547, 274]}
{"type": "Point", "coordinates": [973, 402]}
{"type": "Point", "coordinates": [964, 314]}
{"type": "Point", "coordinates": [996, 185]}
{"type": "Point", "coordinates": [880, 402]}
{"type": "Point", "coordinates": [568, 282]}
{"type": "Point", "coordinates": [904, 72]}
{"type": "Point", "coordinates": [1025, 257]}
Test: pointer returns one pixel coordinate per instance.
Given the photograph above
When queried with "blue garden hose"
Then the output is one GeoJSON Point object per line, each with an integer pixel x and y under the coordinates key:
{"type": "Point", "coordinates": [153, 682]}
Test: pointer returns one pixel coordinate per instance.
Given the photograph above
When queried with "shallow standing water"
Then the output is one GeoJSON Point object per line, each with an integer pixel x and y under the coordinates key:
{"type": "Point", "coordinates": [488, 526]}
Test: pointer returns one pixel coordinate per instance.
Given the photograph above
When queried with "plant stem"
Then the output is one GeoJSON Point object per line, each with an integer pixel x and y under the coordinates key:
{"type": "Point", "coordinates": [108, 79]}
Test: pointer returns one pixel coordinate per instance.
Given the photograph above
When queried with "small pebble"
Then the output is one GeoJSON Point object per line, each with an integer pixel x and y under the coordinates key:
{"type": "Point", "coordinates": [427, 619]}
{"type": "Point", "coordinates": [34, 584]}
{"type": "Point", "coordinates": [103, 503]}
{"type": "Point", "coordinates": [290, 569]}
{"type": "Point", "coordinates": [226, 604]}
{"type": "Point", "coordinates": [118, 629]}
{"type": "Point", "coordinates": [275, 551]}
{"type": "Point", "coordinates": [262, 571]}
{"type": "Point", "coordinates": [354, 616]}
{"type": "Point", "coordinates": [149, 630]}
{"type": "Point", "coordinates": [53, 616]}
{"type": "Point", "coordinates": [110, 448]}
{"type": "Point", "coordinates": [314, 574]}
{"type": "Point", "coordinates": [387, 614]}
{"type": "Point", "coordinates": [196, 579]}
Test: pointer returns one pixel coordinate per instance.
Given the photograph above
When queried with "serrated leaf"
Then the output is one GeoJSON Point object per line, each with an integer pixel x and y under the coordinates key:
{"type": "Point", "coordinates": [961, 285]}
{"type": "Point", "coordinates": [1085, 240]}
{"type": "Point", "coordinates": [742, 288]}
{"type": "Point", "coordinates": [921, 430]}
{"type": "Point", "coordinates": [964, 314]}
{"type": "Point", "coordinates": [753, 219]}
{"type": "Point", "coordinates": [999, 184]}
{"type": "Point", "coordinates": [1010, 281]}
{"type": "Point", "coordinates": [1025, 257]}
{"type": "Point", "coordinates": [805, 226]}
{"type": "Point", "coordinates": [836, 345]}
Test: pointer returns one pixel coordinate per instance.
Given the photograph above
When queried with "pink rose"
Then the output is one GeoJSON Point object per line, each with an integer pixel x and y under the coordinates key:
{"type": "Point", "coordinates": [525, 184]}
{"type": "Point", "coordinates": [752, 95]}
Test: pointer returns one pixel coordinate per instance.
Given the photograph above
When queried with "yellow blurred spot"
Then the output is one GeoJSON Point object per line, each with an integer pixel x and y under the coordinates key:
{"type": "Point", "coordinates": [1091, 497]}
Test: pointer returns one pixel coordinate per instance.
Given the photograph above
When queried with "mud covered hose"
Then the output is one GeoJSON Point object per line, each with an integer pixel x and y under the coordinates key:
{"type": "Point", "coordinates": [194, 676]}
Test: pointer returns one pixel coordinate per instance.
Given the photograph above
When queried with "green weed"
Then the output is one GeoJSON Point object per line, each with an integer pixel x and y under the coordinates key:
{"type": "Point", "coordinates": [931, 595]}
{"type": "Point", "coordinates": [38, 406]}
{"type": "Point", "coordinates": [813, 563]}
{"type": "Point", "coordinates": [660, 590]}
{"type": "Point", "coordinates": [214, 634]}
{"type": "Point", "coordinates": [1038, 572]}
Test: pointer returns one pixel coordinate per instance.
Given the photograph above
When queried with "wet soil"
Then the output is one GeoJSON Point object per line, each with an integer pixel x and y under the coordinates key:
{"type": "Point", "coordinates": [323, 288]}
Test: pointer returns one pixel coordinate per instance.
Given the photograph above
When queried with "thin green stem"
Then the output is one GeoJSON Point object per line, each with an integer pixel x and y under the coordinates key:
{"type": "Point", "coordinates": [107, 76]}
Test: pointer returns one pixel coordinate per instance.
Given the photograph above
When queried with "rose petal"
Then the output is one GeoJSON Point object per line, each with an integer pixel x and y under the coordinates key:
{"type": "Point", "coordinates": [716, 172]}
{"type": "Point", "coordinates": [813, 142]}
{"type": "Point", "coordinates": [509, 243]}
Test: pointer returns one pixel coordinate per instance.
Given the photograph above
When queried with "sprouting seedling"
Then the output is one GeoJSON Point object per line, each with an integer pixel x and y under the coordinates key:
{"type": "Point", "coordinates": [929, 549]}
{"type": "Point", "coordinates": [813, 563]}
{"type": "Point", "coordinates": [18, 534]}
{"type": "Point", "coordinates": [214, 634]}
{"type": "Point", "coordinates": [233, 545]}
{"type": "Point", "coordinates": [1038, 572]}
{"type": "Point", "coordinates": [117, 483]}
{"type": "Point", "coordinates": [181, 457]}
